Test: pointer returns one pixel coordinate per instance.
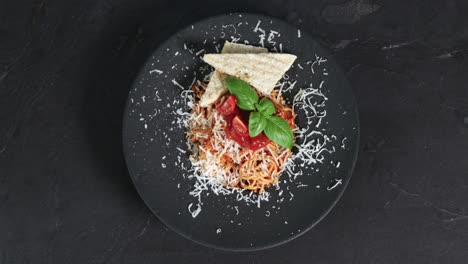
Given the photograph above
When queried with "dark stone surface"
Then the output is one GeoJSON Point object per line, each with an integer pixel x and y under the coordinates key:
{"type": "Point", "coordinates": [65, 70]}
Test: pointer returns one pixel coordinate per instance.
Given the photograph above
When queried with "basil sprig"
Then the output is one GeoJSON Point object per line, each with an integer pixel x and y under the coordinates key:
{"type": "Point", "coordinates": [266, 107]}
{"type": "Point", "coordinates": [245, 95]}
{"type": "Point", "coordinates": [261, 119]}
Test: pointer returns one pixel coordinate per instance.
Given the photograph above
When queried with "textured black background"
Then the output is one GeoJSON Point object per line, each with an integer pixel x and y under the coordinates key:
{"type": "Point", "coordinates": [66, 68]}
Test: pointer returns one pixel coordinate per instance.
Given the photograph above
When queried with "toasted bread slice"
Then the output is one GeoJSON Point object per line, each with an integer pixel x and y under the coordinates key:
{"type": "Point", "coordinates": [261, 70]}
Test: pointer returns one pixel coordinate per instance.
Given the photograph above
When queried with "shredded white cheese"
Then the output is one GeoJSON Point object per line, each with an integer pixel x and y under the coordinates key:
{"type": "Point", "coordinates": [194, 212]}
{"type": "Point", "coordinates": [156, 70]}
{"type": "Point", "coordinates": [200, 52]}
{"type": "Point", "coordinates": [177, 84]}
{"type": "Point", "coordinates": [337, 182]}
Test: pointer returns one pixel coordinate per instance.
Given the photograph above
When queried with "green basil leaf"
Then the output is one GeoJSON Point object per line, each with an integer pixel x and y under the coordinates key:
{"type": "Point", "coordinates": [245, 95]}
{"type": "Point", "coordinates": [278, 131]}
{"type": "Point", "coordinates": [266, 107]}
{"type": "Point", "coordinates": [257, 123]}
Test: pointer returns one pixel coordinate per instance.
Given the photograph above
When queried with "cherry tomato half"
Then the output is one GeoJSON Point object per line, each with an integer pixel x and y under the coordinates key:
{"type": "Point", "coordinates": [240, 126]}
{"type": "Point", "coordinates": [259, 141]}
{"type": "Point", "coordinates": [243, 140]}
{"type": "Point", "coordinates": [227, 107]}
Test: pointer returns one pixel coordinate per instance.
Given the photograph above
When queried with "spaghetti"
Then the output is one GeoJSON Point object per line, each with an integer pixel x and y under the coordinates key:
{"type": "Point", "coordinates": [214, 154]}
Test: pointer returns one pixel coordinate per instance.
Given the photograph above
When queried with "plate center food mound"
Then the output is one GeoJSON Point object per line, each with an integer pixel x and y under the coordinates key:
{"type": "Point", "coordinates": [240, 132]}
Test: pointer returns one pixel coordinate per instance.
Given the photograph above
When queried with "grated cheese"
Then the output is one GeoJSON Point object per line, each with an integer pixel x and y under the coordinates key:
{"type": "Point", "coordinates": [177, 84]}
{"type": "Point", "coordinates": [194, 212]}
{"type": "Point", "coordinates": [257, 26]}
{"type": "Point", "coordinates": [337, 182]}
{"type": "Point", "coordinates": [230, 25]}
{"type": "Point", "coordinates": [156, 70]}
{"type": "Point", "coordinates": [343, 146]}
{"type": "Point", "coordinates": [200, 52]}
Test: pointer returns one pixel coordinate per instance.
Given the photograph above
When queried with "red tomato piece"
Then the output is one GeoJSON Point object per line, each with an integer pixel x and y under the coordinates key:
{"type": "Point", "coordinates": [259, 141]}
{"type": "Point", "coordinates": [240, 126]}
{"type": "Point", "coordinates": [242, 140]}
{"type": "Point", "coordinates": [237, 125]}
{"type": "Point", "coordinates": [227, 107]}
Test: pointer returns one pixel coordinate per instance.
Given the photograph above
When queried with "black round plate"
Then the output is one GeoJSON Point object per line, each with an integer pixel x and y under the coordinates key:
{"type": "Point", "coordinates": [154, 146]}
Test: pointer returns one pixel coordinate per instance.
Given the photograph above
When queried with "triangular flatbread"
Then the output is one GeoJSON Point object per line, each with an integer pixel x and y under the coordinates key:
{"type": "Point", "coordinates": [261, 70]}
